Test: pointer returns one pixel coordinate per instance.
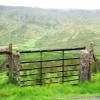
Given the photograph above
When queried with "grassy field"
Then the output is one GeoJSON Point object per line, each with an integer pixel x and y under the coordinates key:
{"type": "Point", "coordinates": [9, 91]}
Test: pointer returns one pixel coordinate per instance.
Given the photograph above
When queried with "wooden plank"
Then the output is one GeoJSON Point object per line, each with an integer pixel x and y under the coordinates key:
{"type": "Point", "coordinates": [50, 83]}
{"type": "Point", "coordinates": [71, 75]}
{"type": "Point", "coordinates": [22, 69]}
{"type": "Point", "coordinates": [50, 78]}
{"type": "Point", "coordinates": [23, 62]}
{"type": "Point", "coordinates": [72, 70]}
{"type": "Point", "coordinates": [71, 65]}
{"type": "Point", "coordinates": [71, 80]}
{"type": "Point", "coordinates": [47, 72]}
{"type": "Point", "coordinates": [42, 73]}
{"type": "Point", "coordinates": [23, 75]}
{"type": "Point", "coordinates": [39, 79]}
{"type": "Point", "coordinates": [4, 52]}
{"type": "Point", "coordinates": [51, 50]}
{"type": "Point", "coordinates": [37, 68]}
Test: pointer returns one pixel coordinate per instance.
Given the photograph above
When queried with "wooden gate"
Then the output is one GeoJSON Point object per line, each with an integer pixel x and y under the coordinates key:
{"type": "Point", "coordinates": [48, 66]}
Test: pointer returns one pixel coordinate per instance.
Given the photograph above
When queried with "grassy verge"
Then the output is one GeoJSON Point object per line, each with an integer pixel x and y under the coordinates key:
{"type": "Point", "coordinates": [9, 91]}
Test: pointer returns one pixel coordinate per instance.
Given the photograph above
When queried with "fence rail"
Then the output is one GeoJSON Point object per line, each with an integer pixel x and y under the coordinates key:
{"type": "Point", "coordinates": [46, 67]}
{"type": "Point", "coordinates": [50, 50]}
{"type": "Point", "coordinates": [4, 52]}
{"type": "Point", "coordinates": [23, 62]}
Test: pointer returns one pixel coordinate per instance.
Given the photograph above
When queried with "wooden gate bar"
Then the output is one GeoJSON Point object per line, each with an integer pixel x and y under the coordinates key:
{"type": "Point", "coordinates": [69, 49]}
{"type": "Point", "coordinates": [22, 62]}
{"type": "Point", "coordinates": [63, 66]}
{"type": "Point", "coordinates": [4, 52]}
{"type": "Point", "coordinates": [22, 69]}
{"type": "Point", "coordinates": [41, 59]}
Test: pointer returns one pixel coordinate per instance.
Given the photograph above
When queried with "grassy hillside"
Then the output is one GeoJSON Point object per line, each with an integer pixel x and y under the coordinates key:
{"type": "Point", "coordinates": [46, 28]}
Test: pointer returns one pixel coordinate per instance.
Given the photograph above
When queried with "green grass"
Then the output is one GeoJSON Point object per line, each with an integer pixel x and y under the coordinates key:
{"type": "Point", "coordinates": [98, 56]}
{"type": "Point", "coordinates": [2, 57]}
{"type": "Point", "coordinates": [9, 91]}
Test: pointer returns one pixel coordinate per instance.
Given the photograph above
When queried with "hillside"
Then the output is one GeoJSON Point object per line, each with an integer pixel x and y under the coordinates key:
{"type": "Point", "coordinates": [45, 28]}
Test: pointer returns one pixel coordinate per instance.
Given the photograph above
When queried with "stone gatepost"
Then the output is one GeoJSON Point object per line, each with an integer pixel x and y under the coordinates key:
{"type": "Point", "coordinates": [85, 66]}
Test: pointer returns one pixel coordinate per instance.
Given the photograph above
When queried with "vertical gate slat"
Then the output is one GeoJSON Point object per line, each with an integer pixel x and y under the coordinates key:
{"type": "Point", "coordinates": [62, 66]}
{"type": "Point", "coordinates": [41, 59]}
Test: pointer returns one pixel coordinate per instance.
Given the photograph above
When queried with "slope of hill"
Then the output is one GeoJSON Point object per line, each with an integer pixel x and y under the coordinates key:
{"type": "Point", "coordinates": [46, 28]}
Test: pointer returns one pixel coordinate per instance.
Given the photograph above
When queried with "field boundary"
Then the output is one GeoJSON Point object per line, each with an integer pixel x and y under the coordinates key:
{"type": "Point", "coordinates": [60, 73]}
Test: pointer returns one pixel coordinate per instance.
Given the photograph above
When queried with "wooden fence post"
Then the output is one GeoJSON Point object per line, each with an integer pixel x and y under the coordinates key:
{"type": "Point", "coordinates": [85, 66]}
{"type": "Point", "coordinates": [10, 57]}
{"type": "Point", "coordinates": [93, 56]}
